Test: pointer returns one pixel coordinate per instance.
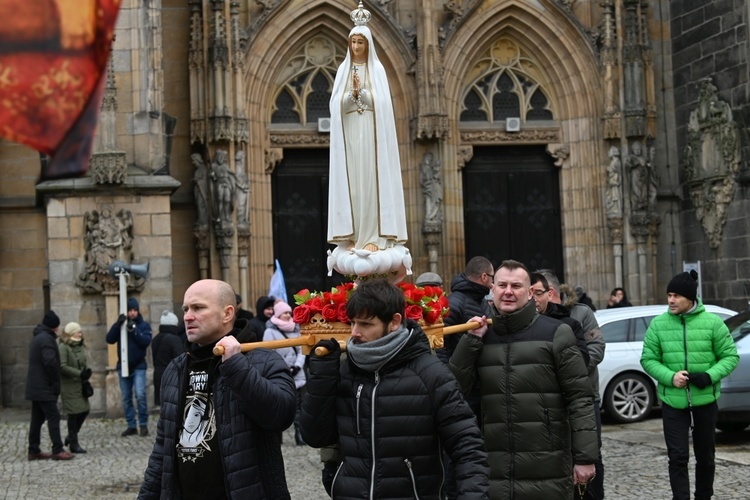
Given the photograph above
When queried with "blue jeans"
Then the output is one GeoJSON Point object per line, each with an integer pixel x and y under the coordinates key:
{"type": "Point", "coordinates": [137, 380]}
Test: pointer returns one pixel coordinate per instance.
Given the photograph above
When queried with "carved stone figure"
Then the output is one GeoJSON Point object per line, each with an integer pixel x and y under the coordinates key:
{"type": "Point", "coordinates": [653, 179]}
{"type": "Point", "coordinates": [200, 190]}
{"type": "Point", "coordinates": [639, 178]}
{"type": "Point", "coordinates": [224, 186]}
{"type": "Point", "coordinates": [243, 187]}
{"type": "Point", "coordinates": [432, 189]}
{"type": "Point", "coordinates": [613, 197]}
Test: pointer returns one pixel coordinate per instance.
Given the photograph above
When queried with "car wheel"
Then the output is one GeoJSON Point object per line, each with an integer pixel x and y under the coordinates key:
{"type": "Point", "coordinates": [732, 426]}
{"type": "Point", "coordinates": [629, 398]}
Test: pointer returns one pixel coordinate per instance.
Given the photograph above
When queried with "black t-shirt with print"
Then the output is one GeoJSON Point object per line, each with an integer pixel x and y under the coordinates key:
{"type": "Point", "coordinates": [199, 466]}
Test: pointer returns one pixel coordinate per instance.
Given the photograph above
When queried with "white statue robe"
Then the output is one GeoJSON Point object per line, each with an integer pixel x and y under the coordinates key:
{"type": "Point", "coordinates": [366, 197]}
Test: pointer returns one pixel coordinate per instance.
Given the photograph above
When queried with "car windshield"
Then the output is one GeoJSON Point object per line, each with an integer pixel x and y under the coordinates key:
{"type": "Point", "coordinates": [739, 324]}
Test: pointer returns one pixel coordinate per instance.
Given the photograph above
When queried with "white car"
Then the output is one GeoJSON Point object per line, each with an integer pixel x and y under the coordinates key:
{"type": "Point", "coordinates": [628, 393]}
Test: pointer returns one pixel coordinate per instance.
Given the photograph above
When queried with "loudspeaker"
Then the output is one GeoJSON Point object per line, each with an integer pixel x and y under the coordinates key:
{"type": "Point", "coordinates": [118, 266]}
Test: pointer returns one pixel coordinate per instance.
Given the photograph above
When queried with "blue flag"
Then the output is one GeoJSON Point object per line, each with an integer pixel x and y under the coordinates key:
{"type": "Point", "coordinates": [277, 287]}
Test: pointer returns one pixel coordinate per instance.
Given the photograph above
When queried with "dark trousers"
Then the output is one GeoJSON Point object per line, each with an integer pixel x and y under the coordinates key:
{"type": "Point", "coordinates": [595, 488]}
{"type": "Point", "coordinates": [41, 411]}
{"type": "Point", "coordinates": [677, 437]}
{"type": "Point", "coordinates": [75, 422]}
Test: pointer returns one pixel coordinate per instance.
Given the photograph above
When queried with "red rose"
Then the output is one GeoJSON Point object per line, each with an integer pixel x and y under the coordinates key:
{"type": "Point", "coordinates": [414, 295]}
{"type": "Point", "coordinates": [326, 297]}
{"type": "Point", "coordinates": [330, 312]}
{"type": "Point", "coordinates": [443, 301]}
{"type": "Point", "coordinates": [301, 314]}
{"type": "Point", "coordinates": [414, 312]}
{"type": "Point", "coordinates": [316, 304]}
{"type": "Point", "coordinates": [346, 286]}
{"type": "Point", "coordinates": [432, 316]}
{"type": "Point", "coordinates": [405, 286]}
{"type": "Point", "coordinates": [303, 292]}
{"type": "Point", "coordinates": [341, 313]}
{"type": "Point", "coordinates": [339, 297]}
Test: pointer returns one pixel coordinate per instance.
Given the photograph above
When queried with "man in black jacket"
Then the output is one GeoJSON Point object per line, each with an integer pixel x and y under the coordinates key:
{"type": "Point", "coordinates": [220, 421]}
{"type": "Point", "coordinates": [391, 406]}
{"type": "Point", "coordinates": [43, 388]}
{"type": "Point", "coordinates": [166, 346]}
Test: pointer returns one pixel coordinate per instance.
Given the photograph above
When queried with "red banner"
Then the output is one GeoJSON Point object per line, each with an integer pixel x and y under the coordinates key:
{"type": "Point", "coordinates": [53, 62]}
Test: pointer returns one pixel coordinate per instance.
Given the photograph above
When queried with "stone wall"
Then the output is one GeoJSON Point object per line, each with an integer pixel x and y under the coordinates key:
{"type": "Point", "coordinates": [710, 40]}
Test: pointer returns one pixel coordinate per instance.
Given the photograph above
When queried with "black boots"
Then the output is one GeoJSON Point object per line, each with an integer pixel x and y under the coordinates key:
{"type": "Point", "coordinates": [74, 446]}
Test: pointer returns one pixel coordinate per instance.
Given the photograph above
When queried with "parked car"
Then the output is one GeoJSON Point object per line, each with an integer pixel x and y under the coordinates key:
{"type": "Point", "coordinates": [734, 403]}
{"type": "Point", "coordinates": [628, 393]}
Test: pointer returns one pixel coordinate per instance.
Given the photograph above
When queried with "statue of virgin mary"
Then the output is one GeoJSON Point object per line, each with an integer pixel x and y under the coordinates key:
{"type": "Point", "coordinates": [366, 214]}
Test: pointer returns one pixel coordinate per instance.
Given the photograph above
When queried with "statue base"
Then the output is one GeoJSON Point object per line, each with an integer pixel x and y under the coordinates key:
{"type": "Point", "coordinates": [392, 263]}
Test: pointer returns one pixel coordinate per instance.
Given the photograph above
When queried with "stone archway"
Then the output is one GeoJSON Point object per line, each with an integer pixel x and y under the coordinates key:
{"type": "Point", "coordinates": [573, 80]}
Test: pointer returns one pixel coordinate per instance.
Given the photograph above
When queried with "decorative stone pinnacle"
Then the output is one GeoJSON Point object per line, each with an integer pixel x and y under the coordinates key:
{"type": "Point", "coordinates": [360, 16]}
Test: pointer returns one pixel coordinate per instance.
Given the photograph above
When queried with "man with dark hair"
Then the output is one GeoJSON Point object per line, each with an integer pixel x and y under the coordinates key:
{"type": "Point", "coordinates": [43, 389]}
{"type": "Point", "coordinates": [242, 313]}
{"type": "Point", "coordinates": [591, 343]}
{"type": "Point", "coordinates": [139, 338]}
{"type": "Point", "coordinates": [391, 406]}
{"type": "Point", "coordinates": [688, 350]}
{"type": "Point", "coordinates": [220, 422]}
{"type": "Point", "coordinates": [537, 406]}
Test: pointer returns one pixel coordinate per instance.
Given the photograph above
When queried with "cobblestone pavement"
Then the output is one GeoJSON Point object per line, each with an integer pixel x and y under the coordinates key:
{"type": "Point", "coordinates": [634, 458]}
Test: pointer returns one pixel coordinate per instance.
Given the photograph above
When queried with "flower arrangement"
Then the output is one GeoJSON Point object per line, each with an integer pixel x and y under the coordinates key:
{"type": "Point", "coordinates": [422, 303]}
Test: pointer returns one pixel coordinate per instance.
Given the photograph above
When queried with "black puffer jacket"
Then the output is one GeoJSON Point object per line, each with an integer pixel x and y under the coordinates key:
{"type": "Point", "coordinates": [401, 416]}
{"type": "Point", "coordinates": [43, 378]}
{"type": "Point", "coordinates": [166, 346]}
{"type": "Point", "coordinates": [254, 397]}
{"type": "Point", "coordinates": [465, 301]}
{"type": "Point", "coordinates": [537, 403]}
{"type": "Point", "coordinates": [559, 311]}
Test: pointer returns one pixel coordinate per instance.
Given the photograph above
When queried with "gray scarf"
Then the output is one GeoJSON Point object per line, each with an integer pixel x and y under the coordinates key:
{"type": "Point", "coordinates": [372, 356]}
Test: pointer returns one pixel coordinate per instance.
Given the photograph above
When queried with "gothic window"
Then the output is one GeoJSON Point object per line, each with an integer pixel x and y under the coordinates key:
{"type": "Point", "coordinates": [305, 83]}
{"type": "Point", "coordinates": [505, 82]}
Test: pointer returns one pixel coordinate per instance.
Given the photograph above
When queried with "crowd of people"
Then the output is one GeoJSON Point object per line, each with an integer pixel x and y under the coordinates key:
{"type": "Point", "coordinates": [509, 409]}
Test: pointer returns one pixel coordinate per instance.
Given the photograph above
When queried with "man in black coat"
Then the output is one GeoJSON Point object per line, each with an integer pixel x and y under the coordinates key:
{"type": "Point", "coordinates": [43, 389]}
{"type": "Point", "coordinates": [391, 406]}
{"type": "Point", "coordinates": [166, 346]}
{"type": "Point", "coordinates": [263, 312]}
{"type": "Point", "coordinates": [221, 417]}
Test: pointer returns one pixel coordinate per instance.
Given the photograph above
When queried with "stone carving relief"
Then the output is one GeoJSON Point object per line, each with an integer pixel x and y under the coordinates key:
{"type": "Point", "coordinates": [109, 167]}
{"type": "Point", "coordinates": [457, 13]}
{"type": "Point", "coordinates": [243, 188]}
{"type": "Point", "coordinates": [273, 157]}
{"type": "Point", "coordinates": [712, 160]}
{"type": "Point", "coordinates": [432, 190]}
{"type": "Point", "coordinates": [107, 238]}
{"type": "Point", "coordinates": [224, 185]}
{"type": "Point", "coordinates": [465, 154]}
{"type": "Point", "coordinates": [200, 191]}
{"type": "Point", "coordinates": [560, 152]}
{"type": "Point", "coordinates": [613, 195]}
{"type": "Point", "coordinates": [639, 178]}
{"type": "Point", "coordinates": [502, 137]}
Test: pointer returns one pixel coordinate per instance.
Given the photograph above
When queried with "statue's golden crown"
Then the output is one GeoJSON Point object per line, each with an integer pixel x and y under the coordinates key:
{"type": "Point", "coordinates": [360, 16]}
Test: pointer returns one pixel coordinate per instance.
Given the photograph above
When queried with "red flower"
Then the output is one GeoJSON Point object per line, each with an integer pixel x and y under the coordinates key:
{"type": "Point", "coordinates": [316, 304]}
{"type": "Point", "coordinates": [443, 301]}
{"type": "Point", "coordinates": [406, 286]}
{"type": "Point", "coordinates": [330, 312]}
{"type": "Point", "coordinates": [414, 295]}
{"type": "Point", "coordinates": [339, 297]}
{"type": "Point", "coordinates": [431, 317]}
{"type": "Point", "coordinates": [347, 286]}
{"type": "Point", "coordinates": [414, 312]}
{"type": "Point", "coordinates": [342, 316]}
{"type": "Point", "coordinates": [301, 314]}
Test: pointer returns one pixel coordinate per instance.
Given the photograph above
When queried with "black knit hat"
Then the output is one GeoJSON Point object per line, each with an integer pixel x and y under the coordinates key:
{"type": "Point", "coordinates": [51, 320]}
{"type": "Point", "coordinates": [685, 284]}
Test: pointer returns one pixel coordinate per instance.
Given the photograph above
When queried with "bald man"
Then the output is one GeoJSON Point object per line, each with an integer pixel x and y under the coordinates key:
{"type": "Point", "coordinates": [221, 418]}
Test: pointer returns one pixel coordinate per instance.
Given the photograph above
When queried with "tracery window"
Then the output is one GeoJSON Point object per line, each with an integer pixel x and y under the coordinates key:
{"type": "Point", "coordinates": [306, 82]}
{"type": "Point", "coordinates": [505, 82]}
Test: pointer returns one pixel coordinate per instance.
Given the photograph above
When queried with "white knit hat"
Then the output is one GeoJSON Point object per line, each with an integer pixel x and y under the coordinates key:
{"type": "Point", "coordinates": [167, 318]}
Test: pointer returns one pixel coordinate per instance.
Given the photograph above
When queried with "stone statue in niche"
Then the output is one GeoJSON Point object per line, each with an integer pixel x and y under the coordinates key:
{"type": "Point", "coordinates": [432, 189]}
{"type": "Point", "coordinates": [107, 238]}
{"type": "Point", "coordinates": [243, 188]}
{"type": "Point", "coordinates": [200, 190]}
{"type": "Point", "coordinates": [639, 178]}
{"type": "Point", "coordinates": [653, 178]}
{"type": "Point", "coordinates": [613, 198]}
{"type": "Point", "coordinates": [224, 186]}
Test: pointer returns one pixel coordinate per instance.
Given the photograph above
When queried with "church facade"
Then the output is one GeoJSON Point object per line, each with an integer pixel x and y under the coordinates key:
{"type": "Point", "coordinates": [606, 140]}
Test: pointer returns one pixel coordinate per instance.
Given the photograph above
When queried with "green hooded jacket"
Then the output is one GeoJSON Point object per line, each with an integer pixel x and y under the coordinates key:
{"type": "Point", "coordinates": [697, 341]}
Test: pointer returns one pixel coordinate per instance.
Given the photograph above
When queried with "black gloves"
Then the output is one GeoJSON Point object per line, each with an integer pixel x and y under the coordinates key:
{"type": "Point", "coordinates": [331, 344]}
{"type": "Point", "coordinates": [86, 374]}
{"type": "Point", "coordinates": [131, 326]}
{"type": "Point", "coordinates": [329, 470]}
{"type": "Point", "coordinates": [121, 319]}
{"type": "Point", "coordinates": [701, 379]}
{"type": "Point", "coordinates": [294, 370]}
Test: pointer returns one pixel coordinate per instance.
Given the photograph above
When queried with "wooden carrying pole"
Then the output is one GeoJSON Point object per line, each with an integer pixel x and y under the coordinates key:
{"type": "Point", "coordinates": [307, 341]}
